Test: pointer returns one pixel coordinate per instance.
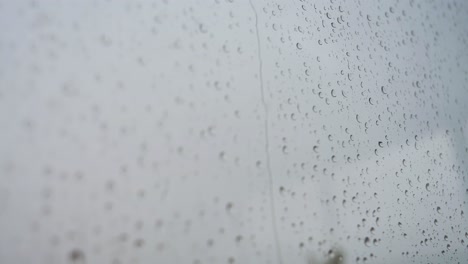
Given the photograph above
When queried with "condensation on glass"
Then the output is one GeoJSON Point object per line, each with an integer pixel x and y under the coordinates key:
{"type": "Point", "coordinates": [216, 131]}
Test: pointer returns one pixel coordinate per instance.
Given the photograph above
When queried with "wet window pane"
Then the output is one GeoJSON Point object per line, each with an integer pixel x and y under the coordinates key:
{"type": "Point", "coordinates": [229, 131]}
